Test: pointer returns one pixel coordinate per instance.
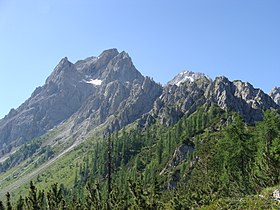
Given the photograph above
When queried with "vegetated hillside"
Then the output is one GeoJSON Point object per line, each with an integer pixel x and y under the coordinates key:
{"type": "Point", "coordinates": [210, 159]}
{"type": "Point", "coordinates": [100, 135]}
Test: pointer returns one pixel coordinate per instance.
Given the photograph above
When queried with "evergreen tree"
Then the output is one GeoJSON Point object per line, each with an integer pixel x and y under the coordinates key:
{"type": "Point", "coordinates": [32, 201]}
{"type": "Point", "coordinates": [54, 197]}
{"type": "Point", "coordinates": [109, 168]}
{"type": "Point", "coordinates": [267, 138]}
{"type": "Point", "coordinates": [8, 201]}
{"type": "Point", "coordinates": [2, 206]}
{"type": "Point", "coordinates": [93, 200]}
{"type": "Point", "coordinates": [235, 157]}
{"type": "Point", "coordinates": [20, 204]}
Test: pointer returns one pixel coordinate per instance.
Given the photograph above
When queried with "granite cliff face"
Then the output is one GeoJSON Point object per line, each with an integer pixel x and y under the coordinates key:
{"type": "Point", "coordinates": [88, 92]}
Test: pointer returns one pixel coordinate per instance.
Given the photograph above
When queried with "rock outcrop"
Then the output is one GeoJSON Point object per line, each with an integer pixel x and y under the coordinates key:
{"type": "Point", "coordinates": [182, 96]}
{"type": "Point", "coordinates": [275, 95]}
{"type": "Point", "coordinates": [240, 97]}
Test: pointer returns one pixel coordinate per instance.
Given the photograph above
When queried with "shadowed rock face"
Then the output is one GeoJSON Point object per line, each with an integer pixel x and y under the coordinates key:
{"type": "Point", "coordinates": [89, 90]}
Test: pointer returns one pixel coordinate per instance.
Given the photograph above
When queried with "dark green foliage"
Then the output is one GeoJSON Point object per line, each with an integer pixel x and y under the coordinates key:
{"type": "Point", "coordinates": [132, 169]}
{"type": "Point", "coordinates": [54, 197]}
{"type": "Point", "coordinates": [234, 156]}
{"type": "Point", "coordinates": [267, 140]}
{"type": "Point", "coordinates": [20, 204]}
{"type": "Point", "coordinates": [8, 203]}
{"type": "Point", "coordinates": [94, 199]}
{"type": "Point", "coordinates": [26, 151]}
{"type": "Point", "coordinates": [34, 201]}
{"type": "Point", "coordinates": [2, 206]}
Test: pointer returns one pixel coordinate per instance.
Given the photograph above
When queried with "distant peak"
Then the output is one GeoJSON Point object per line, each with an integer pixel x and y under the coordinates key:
{"type": "Point", "coordinates": [187, 75]}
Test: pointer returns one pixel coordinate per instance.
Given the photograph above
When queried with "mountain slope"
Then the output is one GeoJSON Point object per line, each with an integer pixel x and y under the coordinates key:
{"type": "Point", "coordinates": [94, 89]}
{"type": "Point", "coordinates": [60, 132]}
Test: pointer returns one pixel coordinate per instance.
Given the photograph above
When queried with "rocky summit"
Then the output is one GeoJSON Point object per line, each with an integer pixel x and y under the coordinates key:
{"type": "Point", "coordinates": [108, 90]}
{"type": "Point", "coordinates": [87, 92]}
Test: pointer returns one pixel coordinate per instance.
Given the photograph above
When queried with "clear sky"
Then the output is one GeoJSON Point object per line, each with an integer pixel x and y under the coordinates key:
{"type": "Point", "coordinates": [236, 38]}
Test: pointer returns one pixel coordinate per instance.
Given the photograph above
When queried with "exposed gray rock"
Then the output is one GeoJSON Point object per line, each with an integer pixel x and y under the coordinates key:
{"type": "Point", "coordinates": [124, 96]}
{"type": "Point", "coordinates": [183, 98]}
{"type": "Point", "coordinates": [275, 95]}
{"type": "Point", "coordinates": [276, 195]}
{"type": "Point", "coordinates": [49, 105]}
{"type": "Point", "coordinates": [107, 88]}
{"type": "Point", "coordinates": [240, 97]}
{"type": "Point", "coordinates": [178, 158]}
{"type": "Point", "coordinates": [187, 76]}
{"type": "Point", "coordinates": [176, 101]}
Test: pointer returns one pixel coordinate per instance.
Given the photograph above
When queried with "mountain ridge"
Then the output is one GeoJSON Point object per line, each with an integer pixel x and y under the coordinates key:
{"type": "Point", "coordinates": [112, 77]}
{"type": "Point", "coordinates": [84, 104]}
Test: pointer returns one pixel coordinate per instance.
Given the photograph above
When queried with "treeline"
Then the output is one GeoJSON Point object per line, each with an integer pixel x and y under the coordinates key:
{"type": "Point", "coordinates": [231, 160]}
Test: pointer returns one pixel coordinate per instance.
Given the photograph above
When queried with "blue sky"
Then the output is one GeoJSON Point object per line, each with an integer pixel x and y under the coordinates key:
{"type": "Point", "coordinates": [239, 39]}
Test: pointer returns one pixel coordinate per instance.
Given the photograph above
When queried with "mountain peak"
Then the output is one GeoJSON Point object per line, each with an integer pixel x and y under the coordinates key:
{"type": "Point", "coordinates": [110, 53]}
{"type": "Point", "coordinates": [275, 95]}
{"type": "Point", "coordinates": [64, 69]}
{"type": "Point", "coordinates": [185, 76]}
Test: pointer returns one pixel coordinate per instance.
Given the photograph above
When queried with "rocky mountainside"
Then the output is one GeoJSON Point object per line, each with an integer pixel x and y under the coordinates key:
{"type": "Point", "coordinates": [87, 92]}
{"type": "Point", "coordinates": [108, 90]}
{"type": "Point", "coordinates": [60, 133]}
{"type": "Point", "coordinates": [275, 95]}
{"type": "Point", "coordinates": [188, 91]}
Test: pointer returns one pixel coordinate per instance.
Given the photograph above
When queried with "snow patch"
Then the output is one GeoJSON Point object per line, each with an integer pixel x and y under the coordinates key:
{"type": "Point", "coordinates": [185, 76]}
{"type": "Point", "coordinates": [184, 79]}
{"type": "Point", "coordinates": [94, 82]}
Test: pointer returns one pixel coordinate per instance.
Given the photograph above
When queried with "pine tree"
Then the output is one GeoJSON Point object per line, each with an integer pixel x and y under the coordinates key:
{"type": "Point", "coordinates": [2, 206]}
{"type": "Point", "coordinates": [54, 197]}
{"type": "Point", "coordinates": [20, 203]}
{"type": "Point", "coordinates": [8, 201]}
{"type": "Point", "coordinates": [267, 138]}
{"type": "Point", "coordinates": [93, 199]}
{"type": "Point", "coordinates": [109, 168]}
{"type": "Point", "coordinates": [34, 200]}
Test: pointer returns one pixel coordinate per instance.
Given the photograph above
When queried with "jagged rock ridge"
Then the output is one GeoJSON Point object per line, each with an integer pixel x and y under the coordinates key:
{"type": "Point", "coordinates": [108, 90]}
{"type": "Point", "coordinates": [87, 92]}
{"type": "Point", "coordinates": [189, 76]}
{"type": "Point", "coordinates": [183, 95]}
